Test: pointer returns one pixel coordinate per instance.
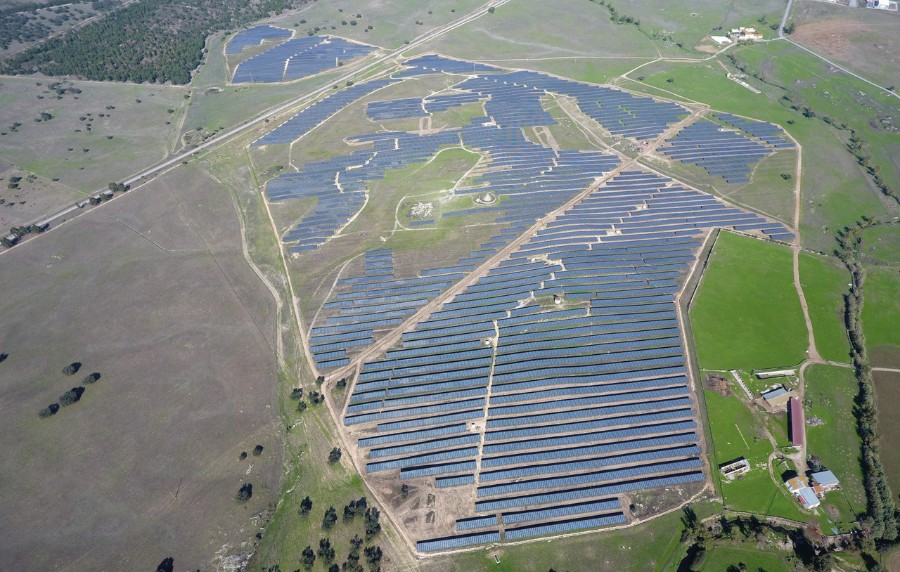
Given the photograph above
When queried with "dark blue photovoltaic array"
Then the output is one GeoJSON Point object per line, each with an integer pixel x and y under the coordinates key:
{"type": "Point", "coordinates": [312, 116]}
{"type": "Point", "coordinates": [296, 58]}
{"type": "Point", "coordinates": [719, 151]}
{"type": "Point", "coordinates": [587, 400]}
{"type": "Point", "coordinates": [435, 64]}
{"type": "Point", "coordinates": [451, 542]}
{"type": "Point", "coordinates": [771, 134]}
{"type": "Point", "coordinates": [416, 107]}
{"type": "Point", "coordinates": [255, 36]}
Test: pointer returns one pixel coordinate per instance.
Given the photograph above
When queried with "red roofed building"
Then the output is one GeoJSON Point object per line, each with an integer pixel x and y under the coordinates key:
{"type": "Point", "coordinates": [796, 425]}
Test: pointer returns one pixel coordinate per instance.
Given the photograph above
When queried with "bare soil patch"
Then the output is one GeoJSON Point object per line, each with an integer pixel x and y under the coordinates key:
{"type": "Point", "coordinates": [152, 291]}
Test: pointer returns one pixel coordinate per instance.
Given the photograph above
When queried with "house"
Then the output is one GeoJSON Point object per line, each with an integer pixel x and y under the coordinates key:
{"type": "Point", "coordinates": [826, 480]}
{"type": "Point", "coordinates": [735, 468]}
{"type": "Point", "coordinates": [743, 34]}
{"type": "Point", "coordinates": [796, 425]}
{"type": "Point", "coordinates": [796, 484]}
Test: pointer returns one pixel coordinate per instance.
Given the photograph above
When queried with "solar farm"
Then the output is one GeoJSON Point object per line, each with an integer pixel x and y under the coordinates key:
{"type": "Point", "coordinates": [540, 398]}
{"type": "Point", "coordinates": [290, 59]}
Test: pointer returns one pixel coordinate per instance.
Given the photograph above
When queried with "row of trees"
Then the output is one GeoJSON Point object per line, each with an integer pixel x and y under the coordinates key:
{"type": "Point", "coordinates": [72, 396]}
{"type": "Point", "coordinates": [882, 512]}
{"type": "Point", "coordinates": [155, 41]}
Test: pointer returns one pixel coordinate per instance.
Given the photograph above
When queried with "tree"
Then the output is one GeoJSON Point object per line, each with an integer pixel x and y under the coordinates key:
{"type": "Point", "coordinates": [491, 10]}
{"type": "Point", "coordinates": [72, 368]}
{"type": "Point", "coordinates": [48, 411]}
{"type": "Point", "coordinates": [335, 455]}
{"type": "Point", "coordinates": [334, 568]}
{"type": "Point", "coordinates": [297, 393]}
{"type": "Point", "coordinates": [3, 357]}
{"type": "Point", "coordinates": [329, 519]}
{"type": "Point", "coordinates": [301, 406]}
{"type": "Point", "coordinates": [373, 556]}
{"type": "Point", "coordinates": [308, 557]}
{"type": "Point", "coordinates": [326, 551]}
{"type": "Point", "coordinates": [404, 490]}
{"type": "Point", "coordinates": [167, 565]}
{"type": "Point", "coordinates": [305, 506]}
{"type": "Point", "coordinates": [71, 396]}
{"type": "Point", "coordinates": [373, 527]}
{"type": "Point", "coordinates": [244, 493]}
{"type": "Point", "coordinates": [89, 379]}
{"type": "Point", "coordinates": [257, 451]}
{"type": "Point", "coordinates": [243, 455]}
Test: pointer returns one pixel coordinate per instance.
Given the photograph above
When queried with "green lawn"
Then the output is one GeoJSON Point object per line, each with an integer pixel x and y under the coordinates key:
{"type": "Point", "coordinates": [746, 314]}
{"type": "Point", "coordinates": [881, 315]}
{"type": "Point", "coordinates": [723, 557]}
{"type": "Point", "coordinates": [831, 390]}
{"type": "Point", "coordinates": [824, 282]}
{"type": "Point", "coordinates": [881, 245]}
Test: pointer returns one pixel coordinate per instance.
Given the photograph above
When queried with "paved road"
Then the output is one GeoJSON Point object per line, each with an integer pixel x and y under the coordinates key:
{"type": "Point", "coordinates": [787, 12]}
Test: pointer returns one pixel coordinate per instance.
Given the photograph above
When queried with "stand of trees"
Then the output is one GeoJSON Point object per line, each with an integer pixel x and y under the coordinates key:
{"type": "Point", "coordinates": [882, 512]}
{"type": "Point", "coordinates": [155, 41]}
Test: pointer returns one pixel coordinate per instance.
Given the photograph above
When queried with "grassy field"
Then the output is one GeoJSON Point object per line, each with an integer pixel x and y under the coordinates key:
{"type": "Point", "coordinates": [133, 134]}
{"type": "Point", "coordinates": [746, 314]}
{"type": "Point", "coordinates": [880, 315]}
{"type": "Point", "coordinates": [151, 291]}
{"type": "Point", "coordinates": [831, 391]}
{"type": "Point", "coordinates": [887, 391]}
{"type": "Point", "coordinates": [392, 22]}
{"type": "Point", "coordinates": [34, 198]}
{"type": "Point", "coordinates": [824, 281]}
{"type": "Point", "coordinates": [509, 35]}
{"type": "Point", "coordinates": [881, 245]}
{"type": "Point", "coordinates": [726, 557]}
{"type": "Point", "coordinates": [835, 192]}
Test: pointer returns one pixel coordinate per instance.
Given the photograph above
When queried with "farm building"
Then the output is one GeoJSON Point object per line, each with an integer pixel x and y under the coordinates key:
{"type": "Point", "coordinates": [799, 487]}
{"type": "Point", "coordinates": [826, 480]}
{"type": "Point", "coordinates": [777, 398]}
{"type": "Point", "coordinates": [735, 468]}
{"type": "Point", "coordinates": [796, 426]}
{"type": "Point", "coordinates": [774, 373]}
{"type": "Point", "coordinates": [743, 34]}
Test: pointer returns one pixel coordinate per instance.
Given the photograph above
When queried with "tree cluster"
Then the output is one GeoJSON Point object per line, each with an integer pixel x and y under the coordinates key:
{"type": "Point", "coordinates": [155, 41]}
{"type": "Point", "coordinates": [882, 511]}
{"type": "Point", "coordinates": [355, 508]}
{"type": "Point", "coordinates": [373, 526]}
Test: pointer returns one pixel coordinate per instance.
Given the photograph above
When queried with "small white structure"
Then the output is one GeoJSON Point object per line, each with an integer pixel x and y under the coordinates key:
{"type": "Point", "coordinates": [721, 40]}
{"type": "Point", "coordinates": [743, 34]}
{"type": "Point", "coordinates": [775, 373]}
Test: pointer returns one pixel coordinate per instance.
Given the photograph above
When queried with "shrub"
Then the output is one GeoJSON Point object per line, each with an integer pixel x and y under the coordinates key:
{"type": "Point", "coordinates": [326, 550]}
{"type": "Point", "coordinates": [257, 451]}
{"type": "Point", "coordinates": [89, 379]}
{"type": "Point", "coordinates": [330, 518]}
{"type": "Point", "coordinates": [297, 393]}
{"type": "Point", "coordinates": [335, 455]}
{"type": "Point", "coordinates": [308, 557]}
{"type": "Point", "coordinates": [404, 490]}
{"type": "Point", "coordinates": [373, 527]}
{"type": "Point", "coordinates": [71, 396]}
{"type": "Point", "coordinates": [305, 506]}
{"type": "Point", "coordinates": [244, 493]}
{"type": "Point", "coordinates": [72, 368]}
{"type": "Point", "coordinates": [49, 411]}
{"type": "Point", "coordinates": [167, 565]}
{"type": "Point", "coordinates": [301, 406]}
{"type": "Point", "coordinates": [3, 357]}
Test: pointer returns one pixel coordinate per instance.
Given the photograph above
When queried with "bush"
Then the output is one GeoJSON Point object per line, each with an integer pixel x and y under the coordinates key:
{"type": "Point", "coordinates": [49, 411]}
{"type": "Point", "coordinates": [297, 393]}
{"type": "Point", "coordinates": [3, 357]}
{"type": "Point", "coordinates": [244, 493]}
{"type": "Point", "coordinates": [330, 518]}
{"type": "Point", "coordinates": [404, 490]}
{"type": "Point", "coordinates": [301, 406]}
{"type": "Point", "coordinates": [308, 557]}
{"type": "Point", "coordinates": [335, 455]}
{"type": "Point", "coordinates": [71, 396]}
{"type": "Point", "coordinates": [305, 506]}
{"type": "Point", "coordinates": [72, 368]}
{"type": "Point", "coordinates": [89, 379]}
{"type": "Point", "coordinates": [257, 451]}
{"type": "Point", "coordinates": [243, 455]}
{"type": "Point", "coordinates": [373, 527]}
{"type": "Point", "coordinates": [167, 565]}
{"type": "Point", "coordinates": [326, 550]}
{"type": "Point", "coordinates": [342, 383]}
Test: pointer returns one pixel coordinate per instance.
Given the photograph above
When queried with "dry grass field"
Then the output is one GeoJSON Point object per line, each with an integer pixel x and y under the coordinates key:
{"type": "Point", "coordinates": [151, 291]}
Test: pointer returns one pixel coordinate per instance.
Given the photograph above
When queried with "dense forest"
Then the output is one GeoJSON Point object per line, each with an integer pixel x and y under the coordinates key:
{"type": "Point", "coordinates": [154, 41]}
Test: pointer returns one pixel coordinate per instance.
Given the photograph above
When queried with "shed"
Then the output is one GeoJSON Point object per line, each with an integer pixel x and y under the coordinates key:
{"type": "Point", "coordinates": [826, 480]}
{"type": "Point", "coordinates": [777, 397]}
{"type": "Point", "coordinates": [807, 498]}
{"type": "Point", "coordinates": [796, 425]}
